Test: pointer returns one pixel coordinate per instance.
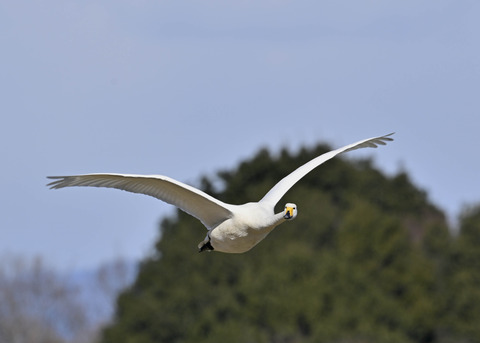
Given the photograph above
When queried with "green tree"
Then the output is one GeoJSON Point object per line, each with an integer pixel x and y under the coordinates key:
{"type": "Point", "coordinates": [463, 305]}
{"type": "Point", "coordinates": [363, 261]}
{"type": "Point", "coordinates": [394, 278]}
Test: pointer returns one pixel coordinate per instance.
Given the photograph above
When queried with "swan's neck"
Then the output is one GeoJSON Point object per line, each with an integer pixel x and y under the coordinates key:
{"type": "Point", "coordinates": [278, 219]}
{"type": "Point", "coordinates": [270, 223]}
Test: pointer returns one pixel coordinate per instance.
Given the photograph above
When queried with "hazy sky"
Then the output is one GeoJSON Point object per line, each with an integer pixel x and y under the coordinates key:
{"type": "Point", "coordinates": [187, 88]}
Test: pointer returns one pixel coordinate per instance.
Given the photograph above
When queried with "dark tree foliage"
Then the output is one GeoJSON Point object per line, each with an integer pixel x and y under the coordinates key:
{"type": "Point", "coordinates": [368, 259]}
{"type": "Point", "coordinates": [463, 305]}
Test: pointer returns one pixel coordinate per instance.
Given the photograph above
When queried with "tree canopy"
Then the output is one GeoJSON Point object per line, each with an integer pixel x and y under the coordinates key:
{"type": "Point", "coordinates": [368, 259]}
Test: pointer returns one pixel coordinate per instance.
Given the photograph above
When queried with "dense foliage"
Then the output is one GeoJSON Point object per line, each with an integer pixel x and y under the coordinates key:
{"type": "Point", "coordinates": [368, 259]}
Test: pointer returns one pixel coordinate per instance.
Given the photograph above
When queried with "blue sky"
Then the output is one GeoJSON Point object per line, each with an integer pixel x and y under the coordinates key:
{"type": "Point", "coordinates": [186, 89]}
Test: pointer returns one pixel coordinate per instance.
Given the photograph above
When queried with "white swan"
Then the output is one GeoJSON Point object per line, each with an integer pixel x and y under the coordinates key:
{"type": "Point", "coordinates": [231, 228]}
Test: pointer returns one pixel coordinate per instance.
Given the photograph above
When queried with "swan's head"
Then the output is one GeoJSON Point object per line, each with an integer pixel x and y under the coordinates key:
{"type": "Point", "coordinates": [290, 211]}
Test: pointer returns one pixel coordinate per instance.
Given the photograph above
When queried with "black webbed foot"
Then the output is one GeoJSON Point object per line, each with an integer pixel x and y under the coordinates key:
{"type": "Point", "coordinates": [206, 247]}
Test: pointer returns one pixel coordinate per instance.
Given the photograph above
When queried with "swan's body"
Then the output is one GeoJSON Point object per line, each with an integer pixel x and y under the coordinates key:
{"type": "Point", "coordinates": [231, 228]}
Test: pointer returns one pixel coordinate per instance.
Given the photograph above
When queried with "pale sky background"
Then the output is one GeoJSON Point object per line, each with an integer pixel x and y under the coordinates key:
{"type": "Point", "coordinates": [187, 88]}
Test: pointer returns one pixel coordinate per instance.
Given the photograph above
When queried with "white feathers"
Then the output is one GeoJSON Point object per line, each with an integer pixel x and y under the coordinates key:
{"type": "Point", "coordinates": [279, 190]}
{"type": "Point", "coordinates": [202, 206]}
{"type": "Point", "coordinates": [231, 228]}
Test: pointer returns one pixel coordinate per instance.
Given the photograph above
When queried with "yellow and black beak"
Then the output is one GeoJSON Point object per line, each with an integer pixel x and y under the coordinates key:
{"type": "Point", "coordinates": [288, 212]}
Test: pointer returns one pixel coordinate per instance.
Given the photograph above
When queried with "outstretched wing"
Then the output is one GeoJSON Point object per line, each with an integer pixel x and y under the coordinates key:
{"type": "Point", "coordinates": [279, 190]}
{"type": "Point", "coordinates": [202, 206]}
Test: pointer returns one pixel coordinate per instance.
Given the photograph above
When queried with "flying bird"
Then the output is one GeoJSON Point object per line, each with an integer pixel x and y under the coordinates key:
{"type": "Point", "coordinates": [231, 228]}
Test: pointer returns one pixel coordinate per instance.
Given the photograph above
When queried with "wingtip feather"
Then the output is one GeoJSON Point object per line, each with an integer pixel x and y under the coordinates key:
{"type": "Point", "coordinates": [58, 183]}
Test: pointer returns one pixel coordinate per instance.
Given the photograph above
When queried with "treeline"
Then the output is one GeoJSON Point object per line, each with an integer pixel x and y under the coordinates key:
{"type": "Point", "coordinates": [42, 305]}
{"type": "Point", "coordinates": [368, 259]}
